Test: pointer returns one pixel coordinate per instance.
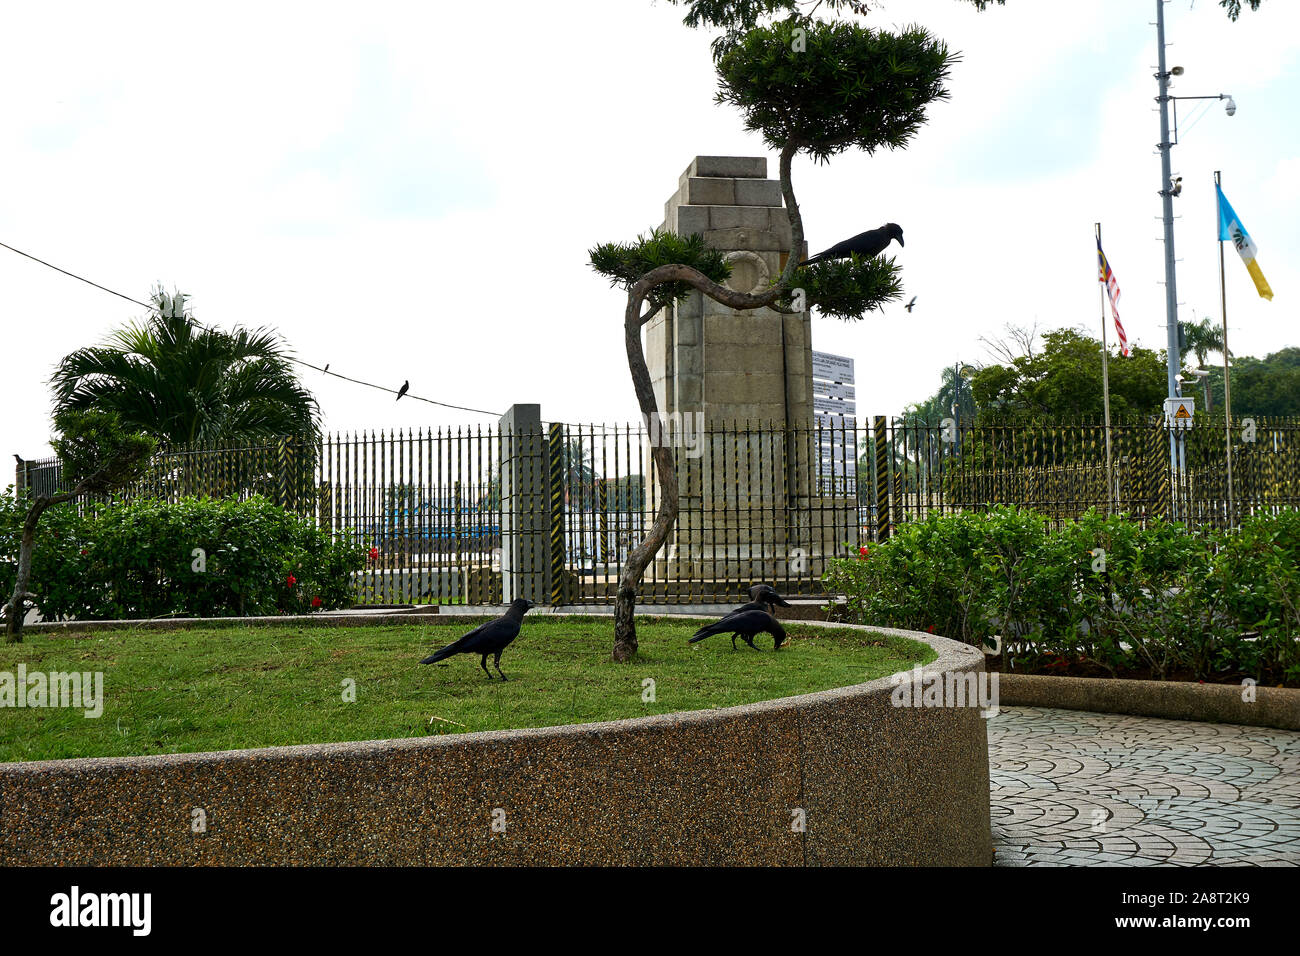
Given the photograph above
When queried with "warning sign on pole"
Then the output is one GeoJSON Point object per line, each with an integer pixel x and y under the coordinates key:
{"type": "Point", "coordinates": [1180, 412]}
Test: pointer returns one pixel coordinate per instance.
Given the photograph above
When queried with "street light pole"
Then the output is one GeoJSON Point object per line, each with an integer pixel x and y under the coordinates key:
{"type": "Point", "coordinates": [1168, 190]}
{"type": "Point", "coordinates": [1173, 359]}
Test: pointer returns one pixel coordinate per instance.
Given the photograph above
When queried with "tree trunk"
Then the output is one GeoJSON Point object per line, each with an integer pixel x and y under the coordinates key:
{"type": "Point", "coordinates": [639, 558]}
{"type": "Point", "coordinates": [16, 609]}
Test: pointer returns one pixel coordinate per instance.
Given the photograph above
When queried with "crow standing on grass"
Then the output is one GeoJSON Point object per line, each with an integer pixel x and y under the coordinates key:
{"type": "Point", "coordinates": [744, 624]}
{"type": "Point", "coordinates": [764, 599]}
{"type": "Point", "coordinates": [866, 244]}
{"type": "Point", "coordinates": [490, 638]}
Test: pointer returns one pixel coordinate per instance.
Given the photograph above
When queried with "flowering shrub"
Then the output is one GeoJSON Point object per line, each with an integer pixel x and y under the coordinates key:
{"type": "Point", "coordinates": [197, 557]}
{"type": "Point", "coordinates": [1102, 594]}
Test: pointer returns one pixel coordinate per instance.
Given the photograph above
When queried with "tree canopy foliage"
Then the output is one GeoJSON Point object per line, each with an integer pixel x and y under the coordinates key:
{"type": "Point", "coordinates": [624, 263]}
{"type": "Point", "coordinates": [846, 288]}
{"type": "Point", "coordinates": [1268, 386]}
{"type": "Point", "coordinates": [97, 451]}
{"type": "Point", "coordinates": [1063, 381]}
{"type": "Point", "coordinates": [830, 87]}
{"type": "Point", "coordinates": [184, 384]}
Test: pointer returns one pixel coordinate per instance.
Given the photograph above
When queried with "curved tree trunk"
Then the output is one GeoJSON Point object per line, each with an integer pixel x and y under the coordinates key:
{"type": "Point", "coordinates": [16, 609]}
{"type": "Point", "coordinates": [639, 558]}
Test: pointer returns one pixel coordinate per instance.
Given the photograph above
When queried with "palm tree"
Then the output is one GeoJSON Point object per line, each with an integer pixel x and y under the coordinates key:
{"type": "Point", "coordinates": [579, 474]}
{"type": "Point", "coordinates": [1201, 339]}
{"type": "Point", "coordinates": [185, 385]}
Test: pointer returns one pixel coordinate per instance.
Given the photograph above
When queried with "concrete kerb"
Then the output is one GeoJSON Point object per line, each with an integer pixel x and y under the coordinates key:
{"type": "Point", "coordinates": [1277, 707]}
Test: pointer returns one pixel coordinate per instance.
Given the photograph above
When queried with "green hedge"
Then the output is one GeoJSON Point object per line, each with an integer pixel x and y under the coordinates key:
{"type": "Point", "coordinates": [198, 557]}
{"type": "Point", "coordinates": [1100, 595]}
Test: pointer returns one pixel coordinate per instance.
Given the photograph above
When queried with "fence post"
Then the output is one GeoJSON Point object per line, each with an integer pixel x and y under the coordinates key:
{"type": "Point", "coordinates": [881, 477]}
{"type": "Point", "coordinates": [1157, 470]}
{"type": "Point", "coordinates": [555, 456]}
{"type": "Point", "coordinates": [524, 520]}
{"type": "Point", "coordinates": [602, 504]}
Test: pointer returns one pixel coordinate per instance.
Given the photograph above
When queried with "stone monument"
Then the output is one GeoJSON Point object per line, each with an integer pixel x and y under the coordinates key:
{"type": "Point", "coordinates": [749, 501]}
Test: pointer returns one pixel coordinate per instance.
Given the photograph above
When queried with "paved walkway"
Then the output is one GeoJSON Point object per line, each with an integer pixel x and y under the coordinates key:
{"type": "Point", "coordinates": [1072, 788]}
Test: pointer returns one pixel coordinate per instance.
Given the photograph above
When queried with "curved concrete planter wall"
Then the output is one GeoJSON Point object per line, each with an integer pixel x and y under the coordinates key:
{"type": "Point", "coordinates": [1176, 700]}
{"type": "Point", "coordinates": [876, 784]}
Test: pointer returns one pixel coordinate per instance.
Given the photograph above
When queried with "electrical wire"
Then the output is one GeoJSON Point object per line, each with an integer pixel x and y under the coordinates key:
{"type": "Point", "coordinates": [297, 361]}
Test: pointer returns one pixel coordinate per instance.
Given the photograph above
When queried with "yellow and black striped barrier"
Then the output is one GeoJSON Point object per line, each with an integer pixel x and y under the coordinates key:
{"type": "Point", "coordinates": [882, 477]}
{"type": "Point", "coordinates": [555, 454]}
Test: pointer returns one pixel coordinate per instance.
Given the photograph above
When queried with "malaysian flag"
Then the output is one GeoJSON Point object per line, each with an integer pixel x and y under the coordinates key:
{"type": "Point", "coordinates": [1112, 292]}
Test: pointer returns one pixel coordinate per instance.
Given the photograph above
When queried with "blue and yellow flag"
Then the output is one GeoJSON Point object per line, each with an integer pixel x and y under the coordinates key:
{"type": "Point", "coordinates": [1231, 230]}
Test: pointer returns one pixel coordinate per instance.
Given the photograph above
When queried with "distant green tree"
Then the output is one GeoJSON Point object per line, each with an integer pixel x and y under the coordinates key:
{"type": "Point", "coordinates": [579, 475]}
{"type": "Point", "coordinates": [1268, 386]}
{"type": "Point", "coordinates": [1063, 381]}
{"type": "Point", "coordinates": [1202, 338]}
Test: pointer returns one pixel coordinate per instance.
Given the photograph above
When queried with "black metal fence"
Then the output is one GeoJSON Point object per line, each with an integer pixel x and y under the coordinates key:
{"type": "Point", "coordinates": [757, 502]}
{"type": "Point", "coordinates": [1060, 470]}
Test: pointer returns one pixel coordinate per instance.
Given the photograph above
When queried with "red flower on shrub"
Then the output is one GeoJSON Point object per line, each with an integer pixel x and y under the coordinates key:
{"type": "Point", "coordinates": [863, 550]}
{"type": "Point", "coordinates": [84, 552]}
{"type": "Point", "coordinates": [315, 602]}
{"type": "Point", "coordinates": [291, 581]}
{"type": "Point", "coordinates": [374, 554]}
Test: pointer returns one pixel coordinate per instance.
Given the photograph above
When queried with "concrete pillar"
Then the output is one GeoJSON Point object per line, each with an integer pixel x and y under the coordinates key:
{"type": "Point", "coordinates": [745, 501]}
{"type": "Point", "coordinates": [525, 537]}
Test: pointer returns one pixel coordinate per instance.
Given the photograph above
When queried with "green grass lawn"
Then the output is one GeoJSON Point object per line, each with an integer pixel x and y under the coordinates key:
{"type": "Point", "coordinates": [226, 688]}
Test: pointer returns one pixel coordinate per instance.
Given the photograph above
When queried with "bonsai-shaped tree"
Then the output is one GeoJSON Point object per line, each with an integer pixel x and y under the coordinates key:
{"type": "Point", "coordinates": [98, 454]}
{"type": "Point", "coordinates": [808, 86]}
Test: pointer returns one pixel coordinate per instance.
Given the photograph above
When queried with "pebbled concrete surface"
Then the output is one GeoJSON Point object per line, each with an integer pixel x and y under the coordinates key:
{"type": "Point", "coordinates": [835, 777]}
{"type": "Point", "coordinates": [1074, 788]}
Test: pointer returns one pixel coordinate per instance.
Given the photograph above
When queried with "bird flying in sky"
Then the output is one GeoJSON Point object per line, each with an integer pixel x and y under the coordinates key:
{"type": "Point", "coordinates": [866, 244]}
{"type": "Point", "coordinates": [911, 304]}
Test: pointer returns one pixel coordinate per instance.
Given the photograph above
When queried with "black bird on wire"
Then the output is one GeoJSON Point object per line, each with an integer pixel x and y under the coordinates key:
{"type": "Point", "coordinates": [866, 244]}
{"type": "Point", "coordinates": [911, 304]}
{"type": "Point", "coordinates": [744, 624]}
{"type": "Point", "coordinates": [490, 638]}
{"type": "Point", "coordinates": [406, 387]}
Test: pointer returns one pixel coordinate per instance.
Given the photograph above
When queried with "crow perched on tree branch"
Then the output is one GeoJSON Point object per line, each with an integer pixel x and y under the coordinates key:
{"type": "Point", "coordinates": [866, 244]}
{"type": "Point", "coordinates": [490, 638]}
{"type": "Point", "coordinates": [744, 624]}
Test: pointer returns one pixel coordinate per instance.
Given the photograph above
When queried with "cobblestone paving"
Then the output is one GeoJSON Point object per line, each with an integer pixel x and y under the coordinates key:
{"type": "Point", "coordinates": [1072, 788]}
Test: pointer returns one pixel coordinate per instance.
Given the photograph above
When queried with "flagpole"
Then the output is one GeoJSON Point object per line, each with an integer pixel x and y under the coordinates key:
{"type": "Point", "coordinates": [1227, 384]}
{"type": "Point", "coordinates": [1105, 385]}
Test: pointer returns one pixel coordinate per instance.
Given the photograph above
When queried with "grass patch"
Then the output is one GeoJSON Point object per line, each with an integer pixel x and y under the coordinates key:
{"type": "Point", "coordinates": [205, 689]}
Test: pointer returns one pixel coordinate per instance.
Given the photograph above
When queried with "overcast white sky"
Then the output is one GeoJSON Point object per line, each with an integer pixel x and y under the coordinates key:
{"type": "Point", "coordinates": [409, 190]}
